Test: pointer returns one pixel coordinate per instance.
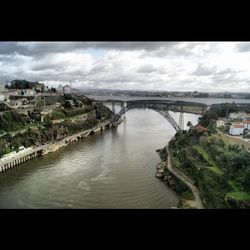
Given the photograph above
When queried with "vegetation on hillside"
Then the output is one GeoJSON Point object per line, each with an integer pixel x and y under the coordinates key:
{"type": "Point", "coordinates": [27, 130]}
{"type": "Point", "coordinates": [224, 109]}
{"type": "Point", "coordinates": [220, 170]}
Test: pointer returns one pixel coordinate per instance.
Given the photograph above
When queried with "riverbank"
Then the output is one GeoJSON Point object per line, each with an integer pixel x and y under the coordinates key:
{"type": "Point", "coordinates": [32, 152]}
{"type": "Point", "coordinates": [178, 181]}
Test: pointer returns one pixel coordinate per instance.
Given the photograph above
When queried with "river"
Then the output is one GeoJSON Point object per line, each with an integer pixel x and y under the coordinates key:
{"type": "Point", "coordinates": [113, 169]}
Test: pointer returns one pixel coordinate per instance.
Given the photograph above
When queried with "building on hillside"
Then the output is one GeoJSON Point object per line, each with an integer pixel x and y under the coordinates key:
{"type": "Point", "coordinates": [220, 122]}
{"type": "Point", "coordinates": [200, 129]}
{"type": "Point", "coordinates": [239, 115]}
{"type": "Point", "coordinates": [233, 115]}
{"type": "Point", "coordinates": [66, 89]}
{"type": "Point", "coordinates": [236, 129]}
{"type": "Point", "coordinates": [60, 89]}
{"type": "Point", "coordinates": [38, 87]}
{"type": "Point", "coordinates": [247, 116]}
{"type": "Point", "coordinates": [2, 87]}
{"type": "Point", "coordinates": [6, 95]}
{"type": "Point", "coordinates": [20, 93]}
{"type": "Point", "coordinates": [246, 124]}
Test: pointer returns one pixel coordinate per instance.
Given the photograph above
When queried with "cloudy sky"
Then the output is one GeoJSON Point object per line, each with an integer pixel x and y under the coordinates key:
{"type": "Point", "coordinates": [167, 66]}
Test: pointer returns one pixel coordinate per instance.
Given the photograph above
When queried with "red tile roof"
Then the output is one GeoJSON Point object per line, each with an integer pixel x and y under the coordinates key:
{"type": "Point", "coordinates": [200, 128]}
{"type": "Point", "coordinates": [238, 126]}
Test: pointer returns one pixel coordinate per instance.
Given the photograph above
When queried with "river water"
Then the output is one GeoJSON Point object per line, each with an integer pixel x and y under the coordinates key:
{"type": "Point", "coordinates": [113, 169]}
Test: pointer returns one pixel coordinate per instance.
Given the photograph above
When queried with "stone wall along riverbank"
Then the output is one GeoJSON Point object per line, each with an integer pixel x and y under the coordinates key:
{"type": "Point", "coordinates": [28, 154]}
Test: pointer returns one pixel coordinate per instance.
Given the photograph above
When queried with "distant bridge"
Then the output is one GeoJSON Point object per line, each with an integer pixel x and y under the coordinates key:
{"type": "Point", "coordinates": [161, 106]}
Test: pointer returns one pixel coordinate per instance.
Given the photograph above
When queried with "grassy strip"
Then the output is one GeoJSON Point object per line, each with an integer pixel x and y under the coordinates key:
{"type": "Point", "coordinates": [216, 170]}
{"type": "Point", "coordinates": [206, 157]}
{"type": "Point", "coordinates": [239, 196]}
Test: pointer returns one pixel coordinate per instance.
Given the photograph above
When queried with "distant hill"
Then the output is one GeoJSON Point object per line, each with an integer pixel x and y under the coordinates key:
{"type": "Point", "coordinates": [75, 90]}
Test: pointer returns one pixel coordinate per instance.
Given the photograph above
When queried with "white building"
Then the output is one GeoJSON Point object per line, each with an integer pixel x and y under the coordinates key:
{"type": "Point", "coordinates": [60, 89]}
{"type": "Point", "coordinates": [27, 92]}
{"type": "Point", "coordinates": [220, 123]}
{"type": "Point", "coordinates": [1, 87]}
{"type": "Point", "coordinates": [1, 92]}
{"type": "Point", "coordinates": [247, 124]}
{"type": "Point", "coordinates": [38, 87]}
{"type": "Point", "coordinates": [236, 129]}
{"type": "Point", "coordinates": [66, 89]}
{"type": "Point", "coordinates": [239, 115]}
{"type": "Point", "coordinates": [22, 92]}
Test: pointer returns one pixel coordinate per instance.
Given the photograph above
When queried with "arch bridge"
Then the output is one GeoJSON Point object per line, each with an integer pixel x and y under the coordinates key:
{"type": "Point", "coordinates": [161, 106]}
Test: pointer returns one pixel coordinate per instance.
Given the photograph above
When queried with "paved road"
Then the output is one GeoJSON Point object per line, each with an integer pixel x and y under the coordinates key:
{"type": "Point", "coordinates": [186, 180]}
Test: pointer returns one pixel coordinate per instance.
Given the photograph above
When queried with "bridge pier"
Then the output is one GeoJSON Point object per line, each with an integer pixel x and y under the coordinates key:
{"type": "Point", "coordinates": [113, 107]}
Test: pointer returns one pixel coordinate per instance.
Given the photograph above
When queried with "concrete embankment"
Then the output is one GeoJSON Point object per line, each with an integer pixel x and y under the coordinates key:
{"type": "Point", "coordinates": [30, 153]}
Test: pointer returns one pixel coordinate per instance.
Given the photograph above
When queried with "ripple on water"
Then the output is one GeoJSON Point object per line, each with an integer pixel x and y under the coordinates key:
{"type": "Point", "coordinates": [115, 169]}
{"type": "Point", "coordinates": [83, 185]}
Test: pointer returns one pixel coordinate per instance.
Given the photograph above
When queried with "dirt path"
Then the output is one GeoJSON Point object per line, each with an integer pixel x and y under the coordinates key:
{"type": "Point", "coordinates": [179, 174]}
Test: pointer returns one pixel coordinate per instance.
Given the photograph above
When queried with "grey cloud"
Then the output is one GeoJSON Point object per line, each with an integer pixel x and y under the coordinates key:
{"type": "Point", "coordinates": [149, 46]}
{"type": "Point", "coordinates": [100, 66]}
{"type": "Point", "coordinates": [40, 48]}
{"type": "Point", "coordinates": [202, 70]}
{"type": "Point", "coordinates": [147, 68]}
{"type": "Point", "coordinates": [182, 49]}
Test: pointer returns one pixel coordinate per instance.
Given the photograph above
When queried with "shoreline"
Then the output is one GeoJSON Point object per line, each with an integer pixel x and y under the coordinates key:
{"type": "Point", "coordinates": [177, 181]}
{"type": "Point", "coordinates": [33, 152]}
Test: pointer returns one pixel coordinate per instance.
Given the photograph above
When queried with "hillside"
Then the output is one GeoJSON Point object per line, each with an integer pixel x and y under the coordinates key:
{"type": "Point", "coordinates": [221, 171]}
{"type": "Point", "coordinates": [30, 130]}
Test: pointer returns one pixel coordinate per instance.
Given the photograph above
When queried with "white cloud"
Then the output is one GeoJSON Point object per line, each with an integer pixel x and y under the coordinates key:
{"type": "Point", "coordinates": [175, 66]}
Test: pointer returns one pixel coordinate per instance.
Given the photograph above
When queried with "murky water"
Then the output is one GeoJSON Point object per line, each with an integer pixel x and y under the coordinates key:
{"type": "Point", "coordinates": [114, 169]}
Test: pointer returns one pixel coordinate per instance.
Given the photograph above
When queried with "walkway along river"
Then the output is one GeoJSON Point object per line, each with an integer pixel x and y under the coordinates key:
{"type": "Point", "coordinates": [115, 169]}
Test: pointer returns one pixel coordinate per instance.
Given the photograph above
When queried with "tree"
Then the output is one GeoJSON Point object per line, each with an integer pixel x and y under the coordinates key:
{"type": "Point", "coordinates": [246, 180]}
{"type": "Point", "coordinates": [203, 141]}
{"type": "Point", "coordinates": [67, 105]}
{"type": "Point", "coordinates": [189, 124]}
{"type": "Point", "coordinates": [208, 118]}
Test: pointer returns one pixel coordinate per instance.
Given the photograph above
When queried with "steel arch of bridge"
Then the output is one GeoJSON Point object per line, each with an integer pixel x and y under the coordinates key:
{"type": "Point", "coordinates": [154, 107]}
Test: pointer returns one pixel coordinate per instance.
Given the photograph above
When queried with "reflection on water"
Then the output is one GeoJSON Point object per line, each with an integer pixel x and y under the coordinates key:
{"type": "Point", "coordinates": [115, 169]}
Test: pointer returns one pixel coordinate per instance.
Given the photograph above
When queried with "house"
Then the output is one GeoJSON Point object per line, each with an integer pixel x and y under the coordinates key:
{"type": "Point", "coordinates": [1, 87]}
{"type": "Point", "coordinates": [60, 89]}
{"type": "Point", "coordinates": [21, 92]}
{"type": "Point", "coordinates": [220, 122]}
{"type": "Point", "coordinates": [246, 124]}
{"type": "Point", "coordinates": [239, 115]}
{"type": "Point", "coordinates": [247, 116]}
{"type": "Point", "coordinates": [233, 115]}
{"type": "Point", "coordinates": [236, 129]}
{"type": "Point", "coordinates": [6, 95]}
{"type": "Point", "coordinates": [66, 89]}
{"type": "Point", "coordinates": [28, 92]}
{"type": "Point", "coordinates": [200, 128]}
{"type": "Point", "coordinates": [38, 87]}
